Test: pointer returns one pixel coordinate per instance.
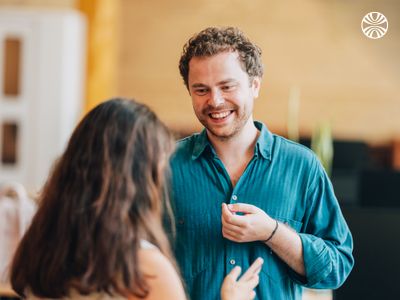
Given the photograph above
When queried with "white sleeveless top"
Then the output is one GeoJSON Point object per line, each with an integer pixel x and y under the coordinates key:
{"type": "Point", "coordinates": [146, 245]}
{"type": "Point", "coordinates": [94, 296]}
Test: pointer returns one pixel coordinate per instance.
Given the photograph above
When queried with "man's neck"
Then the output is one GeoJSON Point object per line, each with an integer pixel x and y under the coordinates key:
{"type": "Point", "coordinates": [239, 146]}
{"type": "Point", "coordinates": [237, 151]}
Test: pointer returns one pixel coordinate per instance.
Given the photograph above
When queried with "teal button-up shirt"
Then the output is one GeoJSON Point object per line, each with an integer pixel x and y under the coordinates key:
{"type": "Point", "coordinates": [284, 179]}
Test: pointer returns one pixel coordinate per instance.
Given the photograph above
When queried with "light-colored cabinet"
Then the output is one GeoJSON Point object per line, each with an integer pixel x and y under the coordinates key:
{"type": "Point", "coordinates": [42, 72]}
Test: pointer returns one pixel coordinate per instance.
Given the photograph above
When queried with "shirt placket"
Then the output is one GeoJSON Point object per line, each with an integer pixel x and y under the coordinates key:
{"type": "Point", "coordinates": [232, 258]}
{"type": "Point", "coordinates": [223, 176]}
{"type": "Point", "coordinates": [234, 250]}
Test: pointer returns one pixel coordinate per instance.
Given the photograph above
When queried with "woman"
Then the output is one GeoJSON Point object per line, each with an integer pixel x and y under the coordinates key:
{"type": "Point", "coordinates": [98, 232]}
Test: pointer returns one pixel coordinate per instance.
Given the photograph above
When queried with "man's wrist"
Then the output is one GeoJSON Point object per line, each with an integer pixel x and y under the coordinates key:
{"type": "Point", "coordinates": [272, 233]}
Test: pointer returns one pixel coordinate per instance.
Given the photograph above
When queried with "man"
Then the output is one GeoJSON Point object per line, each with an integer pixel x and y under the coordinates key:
{"type": "Point", "coordinates": [241, 192]}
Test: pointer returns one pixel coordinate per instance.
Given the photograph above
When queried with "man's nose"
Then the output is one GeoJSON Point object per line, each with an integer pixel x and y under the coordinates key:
{"type": "Point", "coordinates": [216, 98]}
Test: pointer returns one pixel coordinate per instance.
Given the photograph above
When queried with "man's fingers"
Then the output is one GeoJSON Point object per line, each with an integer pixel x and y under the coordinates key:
{"type": "Point", "coordinates": [252, 295]}
{"type": "Point", "coordinates": [234, 274]}
{"type": "Point", "coordinates": [254, 269]}
{"type": "Point", "coordinates": [235, 220]}
{"type": "Point", "coordinates": [224, 205]}
{"type": "Point", "coordinates": [231, 218]}
{"type": "Point", "coordinates": [225, 210]}
{"type": "Point", "coordinates": [230, 236]}
{"type": "Point", "coordinates": [229, 231]}
{"type": "Point", "coordinates": [231, 224]}
{"type": "Point", "coordinates": [242, 207]}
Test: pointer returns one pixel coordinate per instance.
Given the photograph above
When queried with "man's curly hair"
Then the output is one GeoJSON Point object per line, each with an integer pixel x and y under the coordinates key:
{"type": "Point", "coordinates": [214, 40]}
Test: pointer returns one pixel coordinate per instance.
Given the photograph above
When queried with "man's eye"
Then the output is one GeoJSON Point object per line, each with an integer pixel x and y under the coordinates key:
{"type": "Point", "coordinates": [228, 88]}
{"type": "Point", "coordinates": [200, 92]}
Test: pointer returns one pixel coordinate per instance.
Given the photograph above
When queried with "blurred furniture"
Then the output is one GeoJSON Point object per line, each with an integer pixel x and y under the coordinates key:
{"type": "Point", "coordinates": [380, 188]}
{"type": "Point", "coordinates": [376, 273]}
{"type": "Point", "coordinates": [350, 158]}
{"type": "Point", "coordinates": [396, 155]}
{"type": "Point", "coordinates": [16, 213]}
{"type": "Point", "coordinates": [41, 89]}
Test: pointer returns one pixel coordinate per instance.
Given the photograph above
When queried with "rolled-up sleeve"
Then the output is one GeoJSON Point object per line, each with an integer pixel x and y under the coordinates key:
{"type": "Point", "coordinates": [326, 238]}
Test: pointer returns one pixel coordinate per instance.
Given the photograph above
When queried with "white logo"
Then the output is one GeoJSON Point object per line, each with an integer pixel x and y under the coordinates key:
{"type": "Point", "coordinates": [374, 25]}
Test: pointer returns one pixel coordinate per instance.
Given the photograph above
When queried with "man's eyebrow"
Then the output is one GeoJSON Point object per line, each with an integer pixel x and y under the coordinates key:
{"type": "Point", "coordinates": [222, 82]}
{"type": "Point", "coordinates": [197, 85]}
{"type": "Point", "coordinates": [225, 81]}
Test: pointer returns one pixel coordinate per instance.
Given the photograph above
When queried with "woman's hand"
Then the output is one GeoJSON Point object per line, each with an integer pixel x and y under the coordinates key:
{"type": "Point", "coordinates": [242, 289]}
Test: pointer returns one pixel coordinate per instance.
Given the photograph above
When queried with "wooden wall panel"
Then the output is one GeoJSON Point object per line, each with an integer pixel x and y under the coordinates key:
{"type": "Point", "coordinates": [315, 45]}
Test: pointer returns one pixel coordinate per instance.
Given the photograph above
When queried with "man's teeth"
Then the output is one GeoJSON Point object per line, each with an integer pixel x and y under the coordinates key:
{"type": "Point", "coordinates": [220, 115]}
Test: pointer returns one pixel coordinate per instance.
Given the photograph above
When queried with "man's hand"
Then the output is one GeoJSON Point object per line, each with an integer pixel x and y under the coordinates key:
{"type": "Point", "coordinates": [256, 225]}
{"type": "Point", "coordinates": [253, 225]}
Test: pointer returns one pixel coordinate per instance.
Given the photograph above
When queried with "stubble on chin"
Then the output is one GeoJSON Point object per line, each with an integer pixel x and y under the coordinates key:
{"type": "Point", "coordinates": [222, 134]}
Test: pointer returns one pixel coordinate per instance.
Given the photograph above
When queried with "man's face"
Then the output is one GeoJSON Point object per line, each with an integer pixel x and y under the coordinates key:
{"type": "Point", "coordinates": [222, 93]}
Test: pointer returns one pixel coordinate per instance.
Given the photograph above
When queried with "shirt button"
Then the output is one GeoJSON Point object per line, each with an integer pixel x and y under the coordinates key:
{"type": "Point", "coordinates": [234, 197]}
{"type": "Point", "coordinates": [232, 262]}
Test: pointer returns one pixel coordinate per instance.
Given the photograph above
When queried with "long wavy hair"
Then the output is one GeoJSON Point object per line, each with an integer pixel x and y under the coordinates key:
{"type": "Point", "coordinates": [104, 195]}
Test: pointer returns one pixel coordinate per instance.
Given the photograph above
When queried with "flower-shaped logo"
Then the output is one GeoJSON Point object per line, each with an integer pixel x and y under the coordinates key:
{"type": "Point", "coordinates": [374, 25]}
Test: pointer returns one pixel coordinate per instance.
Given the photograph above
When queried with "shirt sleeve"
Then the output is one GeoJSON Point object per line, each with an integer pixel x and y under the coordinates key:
{"type": "Point", "coordinates": [326, 238]}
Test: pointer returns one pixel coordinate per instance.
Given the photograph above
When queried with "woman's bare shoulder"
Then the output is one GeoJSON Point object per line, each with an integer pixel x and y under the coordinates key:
{"type": "Point", "coordinates": [161, 276]}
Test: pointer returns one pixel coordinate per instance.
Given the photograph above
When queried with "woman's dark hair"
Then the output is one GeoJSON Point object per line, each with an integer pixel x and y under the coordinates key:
{"type": "Point", "coordinates": [104, 195]}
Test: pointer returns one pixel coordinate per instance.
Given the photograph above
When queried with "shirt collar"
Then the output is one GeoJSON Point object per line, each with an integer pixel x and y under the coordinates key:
{"type": "Point", "coordinates": [264, 141]}
{"type": "Point", "coordinates": [263, 145]}
{"type": "Point", "coordinates": [201, 142]}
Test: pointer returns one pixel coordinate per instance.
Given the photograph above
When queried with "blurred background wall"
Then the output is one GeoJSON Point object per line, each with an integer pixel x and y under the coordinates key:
{"type": "Point", "coordinates": [314, 45]}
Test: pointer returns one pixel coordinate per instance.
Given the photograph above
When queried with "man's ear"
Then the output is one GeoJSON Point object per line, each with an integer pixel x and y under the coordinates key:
{"type": "Point", "coordinates": [255, 85]}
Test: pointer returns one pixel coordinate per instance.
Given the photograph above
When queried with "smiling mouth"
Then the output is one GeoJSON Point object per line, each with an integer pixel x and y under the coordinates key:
{"type": "Point", "coordinates": [220, 115]}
